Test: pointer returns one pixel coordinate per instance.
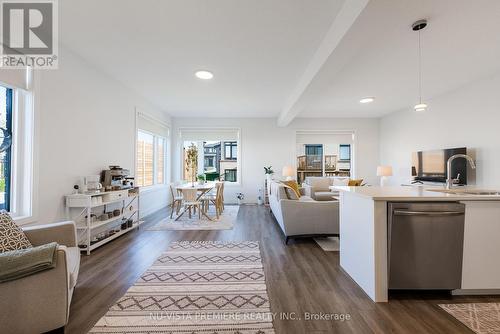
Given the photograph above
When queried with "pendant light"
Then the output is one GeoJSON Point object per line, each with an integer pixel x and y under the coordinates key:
{"type": "Point", "coordinates": [418, 26]}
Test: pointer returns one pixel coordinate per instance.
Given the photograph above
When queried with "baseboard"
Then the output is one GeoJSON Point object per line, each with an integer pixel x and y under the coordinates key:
{"type": "Point", "coordinates": [475, 292]}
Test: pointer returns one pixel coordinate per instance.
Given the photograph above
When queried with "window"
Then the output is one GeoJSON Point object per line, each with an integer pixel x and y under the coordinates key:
{"type": "Point", "coordinates": [150, 168]}
{"type": "Point", "coordinates": [209, 162]}
{"type": "Point", "coordinates": [160, 160]}
{"type": "Point", "coordinates": [314, 149]}
{"type": "Point", "coordinates": [345, 152]}
{"type": "Point", "coordinates": [17, 145]}
{"type": "Point", "coordinates": [217, 150]}
{"type": "Point", "coordinates": [214, 163]}
{"type": "Point", "coordinates": [5, 147]}
{"type": "Point", "coordinates": [231, 150]}
{"type": "Point", "coordinates": [230, 175]}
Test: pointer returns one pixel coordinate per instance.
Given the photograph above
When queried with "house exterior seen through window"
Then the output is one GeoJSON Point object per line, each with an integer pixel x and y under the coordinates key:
{"type": "Point", "coordinates": [217, 160]}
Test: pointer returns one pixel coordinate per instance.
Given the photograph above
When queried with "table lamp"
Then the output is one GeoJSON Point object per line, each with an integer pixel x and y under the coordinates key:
{"type": "Point", "coordinates": [384, 172]}
{"type": "Point", "coordinates": [288, 172]}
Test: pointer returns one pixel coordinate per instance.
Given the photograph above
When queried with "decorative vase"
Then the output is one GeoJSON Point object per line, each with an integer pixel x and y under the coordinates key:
{"type": "Point", "coordinates": [239, 201]}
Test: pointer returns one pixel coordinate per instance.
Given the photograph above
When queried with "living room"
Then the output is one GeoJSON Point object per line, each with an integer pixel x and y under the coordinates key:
{"type": "Point", "coordinates": [148, 137]}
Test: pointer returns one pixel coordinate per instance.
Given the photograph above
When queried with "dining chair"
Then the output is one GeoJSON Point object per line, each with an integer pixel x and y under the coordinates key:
{"type": "Point", "coordinates": [190, 201]}
{"type": "Point", "coordinates": [216, 199]}
{"type": "Point", "coordinates": [176, 201]}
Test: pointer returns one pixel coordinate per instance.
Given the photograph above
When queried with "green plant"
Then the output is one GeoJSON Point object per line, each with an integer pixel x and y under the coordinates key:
{"type": "Point", "coordinates": [201, 177]}
{"type": "Point", "coordinates": [268, 170]}
{"type": "Point", "coordinates": [2, 185]}
{"type": "Point", "coordinates": [192, 160]}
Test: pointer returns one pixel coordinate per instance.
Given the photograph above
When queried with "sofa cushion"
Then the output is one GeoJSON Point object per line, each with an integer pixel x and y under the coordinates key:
{"type": "Point", "coordinates": [323, 196]}
{"type": "Point", "coordinates": [73, 262]}
{"type": "Point", "coordinates": [305, 199]}
{"type": "Point", "coordinates": [319, 183]}
{"type": "Point", "coordinates": [11, 236]}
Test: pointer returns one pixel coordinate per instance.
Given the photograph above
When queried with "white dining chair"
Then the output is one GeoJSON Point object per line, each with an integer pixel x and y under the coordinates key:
{"type": "Point", "coordinates": [176, 201]}
{"type": "Point", "coordinates": [190, 201]}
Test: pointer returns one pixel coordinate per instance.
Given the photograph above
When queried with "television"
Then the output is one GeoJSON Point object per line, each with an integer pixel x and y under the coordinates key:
{"type": "Point", "coordinates": [431, 165]}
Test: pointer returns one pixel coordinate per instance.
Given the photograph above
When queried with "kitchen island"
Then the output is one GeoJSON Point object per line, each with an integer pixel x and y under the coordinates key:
{"type": "Point", "coordinates": [364, 217]}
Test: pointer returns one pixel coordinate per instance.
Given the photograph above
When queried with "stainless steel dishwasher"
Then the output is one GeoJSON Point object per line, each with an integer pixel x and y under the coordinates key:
{"type": "Point", "coordinates": [425, 245]}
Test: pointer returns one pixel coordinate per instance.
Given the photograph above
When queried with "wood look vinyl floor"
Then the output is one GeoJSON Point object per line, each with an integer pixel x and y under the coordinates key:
{"type": "Point", "coordinates": [301, 278]}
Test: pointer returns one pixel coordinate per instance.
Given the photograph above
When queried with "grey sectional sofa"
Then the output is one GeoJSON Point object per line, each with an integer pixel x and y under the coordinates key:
{"type": "Point", "coordinates": [302, 217]}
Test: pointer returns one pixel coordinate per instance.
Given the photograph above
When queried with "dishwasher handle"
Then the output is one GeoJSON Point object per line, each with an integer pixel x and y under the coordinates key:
{"type": "Point", "coordinates": [427, 213]}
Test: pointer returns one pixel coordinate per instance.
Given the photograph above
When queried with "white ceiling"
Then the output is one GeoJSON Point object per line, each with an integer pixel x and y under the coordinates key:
{"type": "Point", "coordinates": [259, 51]}
{"type": "Point", "coordinates": [378, 56]}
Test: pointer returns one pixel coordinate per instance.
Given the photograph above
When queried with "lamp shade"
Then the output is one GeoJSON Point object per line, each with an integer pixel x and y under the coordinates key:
{"type": "Point", "coordinates": [288, 171]}
{"type": "Point", "coordinates": [384, 171]}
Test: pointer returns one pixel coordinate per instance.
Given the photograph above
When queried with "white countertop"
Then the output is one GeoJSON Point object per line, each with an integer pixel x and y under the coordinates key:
{"type": "Point", "coordinates": [413, 193]}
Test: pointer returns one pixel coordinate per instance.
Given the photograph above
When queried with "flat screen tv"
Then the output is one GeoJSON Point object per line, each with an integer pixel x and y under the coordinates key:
{"type": "Point", "coordinates": [431, 165]}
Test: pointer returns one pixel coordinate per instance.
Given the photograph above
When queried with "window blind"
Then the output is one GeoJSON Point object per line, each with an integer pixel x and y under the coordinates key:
{"type": "Point", "coordinates": [151, 125]}
{"type": "Point", "coordinates": [16, 78]}
{"type": "Point", "coordinates": [209, 134]}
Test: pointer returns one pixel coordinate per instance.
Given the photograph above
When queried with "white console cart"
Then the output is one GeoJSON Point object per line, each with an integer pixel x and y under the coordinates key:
{"type": "Point", "coordinates": [85, 210]}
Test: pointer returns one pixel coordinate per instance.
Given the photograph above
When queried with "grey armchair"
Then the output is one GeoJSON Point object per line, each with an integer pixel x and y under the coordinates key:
{"type": "Point", "coordinates": [40, 302]}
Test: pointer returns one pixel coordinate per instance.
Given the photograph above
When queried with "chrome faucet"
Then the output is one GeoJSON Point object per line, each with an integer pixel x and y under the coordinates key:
{"type": "Point", "coordinates": [449, 179]}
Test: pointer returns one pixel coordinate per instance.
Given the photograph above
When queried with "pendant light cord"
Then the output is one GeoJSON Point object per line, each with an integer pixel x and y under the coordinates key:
{"type": "Point", "coordinates": [419, 69]}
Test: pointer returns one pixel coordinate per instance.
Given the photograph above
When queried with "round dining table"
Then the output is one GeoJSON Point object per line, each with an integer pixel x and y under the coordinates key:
{"type": "Point", "coordinates": [202, 190]}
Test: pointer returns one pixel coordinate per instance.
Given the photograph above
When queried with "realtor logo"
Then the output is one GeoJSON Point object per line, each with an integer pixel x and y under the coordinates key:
{"type": "Point", "coordinates": [29, 33]}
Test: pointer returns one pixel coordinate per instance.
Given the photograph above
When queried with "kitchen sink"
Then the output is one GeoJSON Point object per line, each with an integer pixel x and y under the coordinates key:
{"type": "Point", "coordinates": [467, 191]}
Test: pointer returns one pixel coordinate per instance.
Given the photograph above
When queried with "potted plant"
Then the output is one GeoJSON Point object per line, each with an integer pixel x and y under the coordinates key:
{"type": "Point", "coordinates": [201, 178]}
{"type": "Point", "coordinates": [192, 161]}
{"type": "Point", "coordinates": [240, 197]}
{"type": "Point", "coordinates": [269, 172]}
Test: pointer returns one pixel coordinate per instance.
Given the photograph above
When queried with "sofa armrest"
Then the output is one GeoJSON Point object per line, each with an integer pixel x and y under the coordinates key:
{"type": "Point", "coordinates": [44, 296]}
{"type": "Point", "coordinates": [64, 233]}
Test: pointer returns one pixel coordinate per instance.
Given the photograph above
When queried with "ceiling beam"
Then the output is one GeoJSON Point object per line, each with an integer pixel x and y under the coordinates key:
{"type": "Point", "coordinates": [340, 26]}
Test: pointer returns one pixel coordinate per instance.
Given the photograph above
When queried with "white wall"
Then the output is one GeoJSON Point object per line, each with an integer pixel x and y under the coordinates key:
{"type": "Point", "coordinates": [469, 116]}
{"type": "Point", "coordinates": [86, 122]}
{"type": "Point", "coordinates": [263, 143]}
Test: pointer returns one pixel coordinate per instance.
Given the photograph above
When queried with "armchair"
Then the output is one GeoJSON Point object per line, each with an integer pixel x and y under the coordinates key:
{"type": "Point", "coordinates": [40, 302]}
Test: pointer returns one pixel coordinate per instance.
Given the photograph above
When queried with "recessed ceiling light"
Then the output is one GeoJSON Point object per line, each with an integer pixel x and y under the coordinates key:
{"type": "Point", "coordinates": [205, 75]}
{"type": "Point", "coordinates": [368, 99]}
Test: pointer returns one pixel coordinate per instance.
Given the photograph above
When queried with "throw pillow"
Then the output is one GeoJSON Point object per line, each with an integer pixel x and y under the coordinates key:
{"type": "Point", "coordinates": [290, 193]}
{"type": "Point", "coordinates": [11, 236]}
{"type": "Point", "coordinates": [338, 181]}
{"type": "Point", "coordinates": [355, 183]}
{"type": "Point", "coordinates": [294, 185]}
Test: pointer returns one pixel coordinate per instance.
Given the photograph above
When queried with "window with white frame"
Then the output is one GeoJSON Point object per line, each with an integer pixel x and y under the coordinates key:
{"type": "Point", "coordinates": [17, 145]}
{"type": "Point", "coordinates": [151, 152]}
{"type": "Point", "coordinates": [218, 151]}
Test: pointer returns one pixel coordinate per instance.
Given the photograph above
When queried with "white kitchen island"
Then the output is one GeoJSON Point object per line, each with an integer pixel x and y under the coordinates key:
{"type": "Point", "coordinates": [363, 235]}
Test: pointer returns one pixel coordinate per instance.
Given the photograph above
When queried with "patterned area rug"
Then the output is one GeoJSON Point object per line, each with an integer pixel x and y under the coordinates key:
{"type": "Point", "coordinates": [328, 244]}
{"type": "Point", "coordinates": [225, 221]}
{"type": "Point", "coordinates": [482, 318]}
{"type": "Point", "coordinates": [195, 288]}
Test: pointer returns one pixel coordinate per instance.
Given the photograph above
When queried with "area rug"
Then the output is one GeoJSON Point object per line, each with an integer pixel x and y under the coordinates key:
{"type": "Point", "coordinates": [481, 318]}
{"type": "Point", "coordinates": [328, 244]}
{"type": "Point", "coordinates": [194, 288]}
{"type": "Point", "coordinates": [225, 221]}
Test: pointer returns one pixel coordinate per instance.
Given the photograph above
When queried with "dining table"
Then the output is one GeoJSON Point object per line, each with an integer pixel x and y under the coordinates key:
{"type": "Point", "coordinates": [201, 188]}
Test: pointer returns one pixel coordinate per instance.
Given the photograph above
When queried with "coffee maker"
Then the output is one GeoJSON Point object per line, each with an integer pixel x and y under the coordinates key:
{"type": "Point", "coordinates": [116, 178]}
